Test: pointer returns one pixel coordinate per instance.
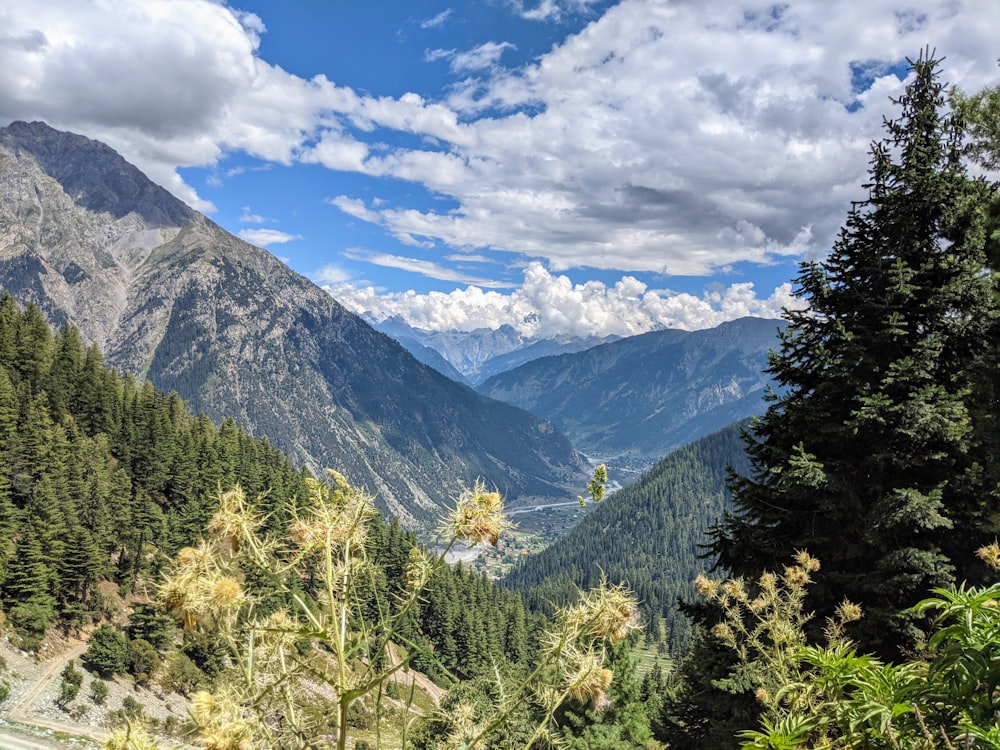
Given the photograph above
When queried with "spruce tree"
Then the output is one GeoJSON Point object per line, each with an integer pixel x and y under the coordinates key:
{"type": "Point", "coordinates": [858, 460]}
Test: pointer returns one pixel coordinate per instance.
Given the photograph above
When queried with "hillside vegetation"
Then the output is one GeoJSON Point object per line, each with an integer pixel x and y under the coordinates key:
{"type": "Point", "coordinates": [650, 535]}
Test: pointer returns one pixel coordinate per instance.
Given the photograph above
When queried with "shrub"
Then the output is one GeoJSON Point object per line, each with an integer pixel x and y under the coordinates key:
{"type": "Point", "coordinates": [98, 691]}
{"type": "Point", "coordinates": [30, 620]}
{"type": "Point", "coordinates": [182, 675]}
{"type": "Point", "coordinates": [143, 659]}
{"type": "Point", "coordinates": [69, 688]}
{"type": "Point", "coordinates": [108, 652]}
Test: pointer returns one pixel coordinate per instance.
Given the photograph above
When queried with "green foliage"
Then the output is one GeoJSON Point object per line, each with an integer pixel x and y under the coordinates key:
{"type": "Point", "coordinates": [596, 486]}
{"type": "Point", "coordinates": [98, 691]}
{"type": "Point", "coordinates": [107, 651]}
{"type": "Point", "coordinates": [98, 472]}
{"type": "Point", "coordinates": [830, 696]}
{"type": "Point", "coordinates": [182, 675]}
{"type": "Point", "coordinates": [151, 624]}
{"type": "Point", "coordinates": [69, 685]}
{"type": "Point", "coordinates": [30, 621]}
{"type": "Point", "coordinates": [143, 660]}
{"type": "Point", "coordinates": [867, 459]}
{"type": "Point", "coordinates": [649, 535]}
{"type": "Point", "coordinates": [131, 708]}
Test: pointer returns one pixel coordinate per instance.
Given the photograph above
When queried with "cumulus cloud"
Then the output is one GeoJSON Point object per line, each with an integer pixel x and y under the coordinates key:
{"type": "Point", "coordinates": [549, 10]}
{"type": "Point", "coordinates": [248, 217]}
{"type": "Point", "coordinates": [547, 305]}
{"type": "Point", "coordinates": [663, 136]}
{"type": "Point", "coordinates": [266, 237]}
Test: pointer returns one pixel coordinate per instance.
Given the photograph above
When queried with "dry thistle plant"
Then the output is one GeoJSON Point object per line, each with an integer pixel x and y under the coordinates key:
{"type": "Point", "coordinates": [764, 624]}
{"type": "Point", "coordinates": [572, 664]}
{"type": "Point", "coordinates": [326, 648]}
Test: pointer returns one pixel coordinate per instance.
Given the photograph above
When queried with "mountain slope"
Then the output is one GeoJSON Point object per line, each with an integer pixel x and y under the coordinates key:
{"type": "Point", "coordinates": [170, 296]}
{"type": "Point", "coordinates": [473, 356]}
{"type": "Point", "coordinates": [637, 398]}
{"type": "Point", "coordinates": [647, 535]}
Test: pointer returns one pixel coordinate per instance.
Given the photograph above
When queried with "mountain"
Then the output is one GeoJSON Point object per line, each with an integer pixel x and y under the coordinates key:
{"type": "Point", "coordinates": [631, 401]}
{"type": "Point", "coordinates": [647, 535]}
{"type": "Point", "coordinates": [170, 296]}
{"type": "Point", "coordinates": [473, 356]}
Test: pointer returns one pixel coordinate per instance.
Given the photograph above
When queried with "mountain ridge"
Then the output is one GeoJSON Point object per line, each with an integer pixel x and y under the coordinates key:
{"type": "Point", "coordinates": [636, 399]}
{"type": "Point", "coordinates": [169, 295]}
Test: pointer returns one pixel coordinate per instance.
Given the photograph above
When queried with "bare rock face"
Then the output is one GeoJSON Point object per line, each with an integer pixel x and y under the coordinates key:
{"type": "Point", "coordinates": [170, 296]}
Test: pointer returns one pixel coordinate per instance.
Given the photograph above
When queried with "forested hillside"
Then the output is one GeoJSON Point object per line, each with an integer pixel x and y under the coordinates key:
{"type": "Point", "coordinates": [103, 478]}
{"type": "Point", "coordinates": [648, 535]}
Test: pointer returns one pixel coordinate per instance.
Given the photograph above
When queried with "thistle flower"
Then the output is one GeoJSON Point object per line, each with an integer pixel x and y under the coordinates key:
{"type": "Point", "coordinates": [419, 568]}
{"type": "Point", "coordinates": [706, 586]}
{"type": "Point", "coordinates": [226, 592]}
{"type": "Point", "coordinates": [478, 517]}
{"type": "Point", "coordinates": [723, 632]}
{"type": "Point", "coordinates": [234, 521]}
{"type": "Point", "coordinates": [590, 679]}
{"type": "Point", "coordinates": [990, 554]}
{"type": "Point", "coordinates": [734, 589]}
{"type": "Point", "coordinates": [848, 611]}
{"type": "Point", "coordinates": [768, 582]}
{"type": "Point", "coordinates": [796, 576]}
{"type": "Point", "coordinates": [338, 517]}
{"type": "Point", "coordinates": [220, 721]}
{"type": "Point", "coordinates": [809, 563]}
{"type": "Point", "coordinates": [606, 612]}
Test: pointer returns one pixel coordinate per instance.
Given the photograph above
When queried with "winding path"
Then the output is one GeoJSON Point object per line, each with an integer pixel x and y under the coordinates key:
{"type": "Point", "coordinates": [20, 712]}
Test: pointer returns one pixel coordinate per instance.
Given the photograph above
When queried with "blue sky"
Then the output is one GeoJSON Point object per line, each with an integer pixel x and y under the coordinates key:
{"type": "Point", "coordinates": [564, 166]}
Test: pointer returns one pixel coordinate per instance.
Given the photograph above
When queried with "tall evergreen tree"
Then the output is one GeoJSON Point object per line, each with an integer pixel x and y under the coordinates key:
{"type": "Point", "coordinates": [859, 459]}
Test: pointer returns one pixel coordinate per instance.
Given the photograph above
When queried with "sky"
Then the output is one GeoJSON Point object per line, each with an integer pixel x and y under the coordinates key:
{"type": "Point", "coordinates": [580, 167]}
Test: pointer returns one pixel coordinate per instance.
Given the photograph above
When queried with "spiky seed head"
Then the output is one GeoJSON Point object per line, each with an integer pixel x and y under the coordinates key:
{"type": "Point", "coordinates": [990, 554]}
{"type": "Point", "coordinates": [796, 576]}
{"type": "Point", "coordinates": [588, 679]}
{"type": "Point", "coordinates": [768, 582]}
{"type": "Point", "coordinates": [723, 632]}
{"type": "Point", "coordinates": [478, 517]}
{"type": "Point", "coordinates": [808, 563]}
{"type": "Point", "coordinates": [734, 589]}
{"type": "Point", "coordinates": [226, 592]}
{"type": "Point", "coordinates": [707, 587]}
{"type": "Point", "coordinates": [848, 611]}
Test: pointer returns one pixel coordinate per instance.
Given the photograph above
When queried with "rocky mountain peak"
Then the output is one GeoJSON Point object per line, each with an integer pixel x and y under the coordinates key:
{"type": "Point", "coordinates": [172, 297]}
{"type": "Point", "coordinates": [94, 175]}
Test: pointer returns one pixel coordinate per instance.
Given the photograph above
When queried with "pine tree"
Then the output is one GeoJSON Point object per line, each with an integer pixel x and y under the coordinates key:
{"type": "Point", "coordinates": [859, 458]}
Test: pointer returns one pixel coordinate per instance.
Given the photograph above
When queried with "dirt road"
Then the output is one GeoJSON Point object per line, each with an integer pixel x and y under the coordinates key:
{"type": "Point", "coordinates": [20, 713]}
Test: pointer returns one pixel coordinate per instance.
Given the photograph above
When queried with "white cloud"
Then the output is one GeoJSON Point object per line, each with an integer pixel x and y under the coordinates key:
{"type": "Point", "coordinates": [331, 274]}
{"type": "Point", "coordinates": [663, 135]}
{"type": "Point", "coordinates": [421, 266]}
{"type": "Point", "coordinates": [438, 20]}
{"type": "Point", "coordinates": [265, 237]}
{"type": "Point", "coordinates": [550, 305]}
{"type": "Point", "coordinates": [549, 10]}
{"type": "Point", "coordinates": [248, 217]}
{"type": "Point", "coordinates": [484, 57]}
